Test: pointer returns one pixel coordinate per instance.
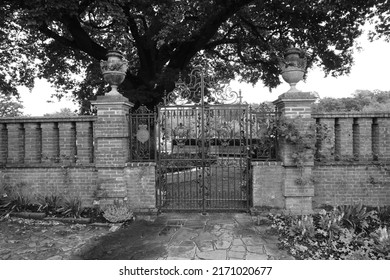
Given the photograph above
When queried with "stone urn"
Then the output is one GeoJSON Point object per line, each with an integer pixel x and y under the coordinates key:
{"type": "Point", "coordinates": [114, 70]}
{"type": "Point", "coordinates": [293, 67]}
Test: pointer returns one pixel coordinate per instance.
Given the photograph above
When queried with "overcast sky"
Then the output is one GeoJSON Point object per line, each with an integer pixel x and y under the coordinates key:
{"type": "Point", "coordinates": [370, 71]}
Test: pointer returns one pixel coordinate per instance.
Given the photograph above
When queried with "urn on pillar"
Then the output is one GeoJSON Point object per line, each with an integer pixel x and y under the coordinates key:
{"type": "Point", "coordinates": [293, 67]}
{"type": "Point", "coordinates": [114, 70]}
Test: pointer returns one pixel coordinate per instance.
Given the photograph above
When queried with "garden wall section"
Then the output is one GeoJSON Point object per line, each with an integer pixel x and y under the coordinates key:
{"type": "Point", "coordinates": [43, 156]}
{"type": "Point", "coordinates": [353, 164]}
{"type": "Point", "coordinates": [78, 157]}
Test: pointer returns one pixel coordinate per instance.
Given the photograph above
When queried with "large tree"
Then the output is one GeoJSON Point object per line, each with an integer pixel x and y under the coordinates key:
{"type": "Point", "coordinates": [63, 41]}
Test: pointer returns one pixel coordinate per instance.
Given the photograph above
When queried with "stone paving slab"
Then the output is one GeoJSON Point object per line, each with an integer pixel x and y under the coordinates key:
{"type": "Point", "coordinates": [212, 255]}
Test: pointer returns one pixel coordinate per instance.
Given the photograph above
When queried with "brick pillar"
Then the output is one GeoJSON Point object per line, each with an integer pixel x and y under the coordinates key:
{"type": "Point", "coordinates": [346, 138]}
{"type": "Point", "coordinates": [111, 146]}
{"type": "Point", "coordinates": [383, 138]}
{"type": "Point", "coordinates": [365, 140]}
{"type": "Point", "coordinates": [32, 143]}
{"type": "Point", "coordinates": [50, 142]}
{"type": "Point", "coordinates": [67, 142]}
{"type": "Point", "coordinates": [15, 143]}
{"type": "Point", "coordinates": [84, 142]}
{"type": "Point", "coordinates": [3, 144]}
{"type": "Point", "coordinates": [298, 188]}
{"type": "Point", "coordinates": [326, 147]}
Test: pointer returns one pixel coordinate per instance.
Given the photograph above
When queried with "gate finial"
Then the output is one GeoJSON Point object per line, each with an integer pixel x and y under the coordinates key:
{"type": "Point", "coordinates": [239, 96]}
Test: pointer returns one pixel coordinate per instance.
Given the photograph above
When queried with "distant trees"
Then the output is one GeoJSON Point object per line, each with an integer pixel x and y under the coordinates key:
{"type": "Point", "coordinates": [361, 101]}
{"type": "Point", "coordinates": [64, 112]}
{"type": "Point", "coordinates": [10, 106]}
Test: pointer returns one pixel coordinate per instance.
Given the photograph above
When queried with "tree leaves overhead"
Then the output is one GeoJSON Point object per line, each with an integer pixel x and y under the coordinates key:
{"type": "Point", "coordinates": [63, 41]}
{"type": "Point", "coordinates": [10, 106]}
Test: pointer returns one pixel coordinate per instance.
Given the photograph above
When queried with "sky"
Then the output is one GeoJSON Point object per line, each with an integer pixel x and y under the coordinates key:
{"type": "Point", "coordinates": [369, 72]}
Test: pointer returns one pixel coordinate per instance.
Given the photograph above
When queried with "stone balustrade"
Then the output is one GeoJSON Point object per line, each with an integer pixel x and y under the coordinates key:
{"type": "Point", "coordinates": [354, 136]}
{"type": "Point", "coordinates": [38, 141]}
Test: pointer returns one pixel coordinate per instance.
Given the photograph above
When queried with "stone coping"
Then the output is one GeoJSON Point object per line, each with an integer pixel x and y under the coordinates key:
{"type": "Point", "coordinates": [48, 119]}
{"type": "Point", "coordinates": [351, 163]}
{"type": "Point", "coordinates": [47, 165]}
{"type": "Point", "coordinates": [349, 115]}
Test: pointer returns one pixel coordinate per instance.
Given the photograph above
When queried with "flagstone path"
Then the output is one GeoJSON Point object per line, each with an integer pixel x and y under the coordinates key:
{"type": "Point", "coordinates": [227, 236]}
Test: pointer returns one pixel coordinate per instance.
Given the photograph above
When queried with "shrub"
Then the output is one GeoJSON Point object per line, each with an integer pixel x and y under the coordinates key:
{"type": "Point", "coordinates": [357, 217]}
{"type": "Point", "coordinates": [117, 213]}
{"type": "Point", "coordinates": [71, 207]}
{"type": "Point", "coordinates": [50, 204]}
{"type": "Point", "coordinates": [333, 235]}
{"type": "Point", "coordinates": [383, 213]}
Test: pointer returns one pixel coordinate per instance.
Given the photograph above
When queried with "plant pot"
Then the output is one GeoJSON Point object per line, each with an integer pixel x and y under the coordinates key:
{"type": "Point", "coordinates": [114, 78]}
{"type": "Point", "coordinates": [114, 70]}
{"type": "Point", "coordinates": [292, 75]}
{"type": "Point", "coordinates": [293, 67]}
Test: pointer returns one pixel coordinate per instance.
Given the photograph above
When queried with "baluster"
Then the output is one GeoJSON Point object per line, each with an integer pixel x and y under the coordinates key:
{"type": "Point", "coordinates": [33, 139]}
{"type": "Point", "coordinates": [15, 143]}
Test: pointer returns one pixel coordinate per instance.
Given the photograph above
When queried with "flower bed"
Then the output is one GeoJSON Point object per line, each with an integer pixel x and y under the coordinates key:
{"type": "Point", "coordinates": [346, 232]}
{"type": "Point", "coordinates": [18, 203]}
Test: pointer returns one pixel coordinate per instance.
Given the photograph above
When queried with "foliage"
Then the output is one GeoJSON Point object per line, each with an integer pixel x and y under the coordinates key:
{"type": "Point", "coordinates": [15, 198]}
{"type": "Point", "coordinates": [65, 40]}
{"type": "Point", "coordinates": [64, 112]}
{"type": "Point", "coordinates": [71, 207]}
{"type": "Point", "coordinates": [325, 236]}
{"type": "Point", "coordinates": [381, 21]}
{"type": "Point", "coordinates": [94, 213]}
{"type": "Point", "coordinates": [383, 213]}
{"type": "Point", "coordinates": [117, 212]}
{"type": "Point", "coordinates": [10, 106]}
{"type": "Point", "coordinates": [357, 217]}
{"type": "Point", "coordinates": [305, 144]}
{"type": "Point", "coordinates": [50, 204]}
{"type": "Point", "coordinates": [361, 101]}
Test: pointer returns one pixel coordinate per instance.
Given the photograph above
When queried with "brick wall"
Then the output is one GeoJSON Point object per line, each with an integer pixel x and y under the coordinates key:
{"type": "Point", "coordinates": [353, 183]}
{"type": "Point", "coordinates": [356, 136]}
{"type": "Point", "coordinates": [71, 182]}
{"type": "Point", "coordinates": [268, 178]}
{"type": "Point", "coordinates": [353, 167]}
{"type": "Point", "coordinates": [79, 156]}
{"type": "Point", "coordinates": [140, 184]}
{"type": "Point", "coordinates": [49, 156]}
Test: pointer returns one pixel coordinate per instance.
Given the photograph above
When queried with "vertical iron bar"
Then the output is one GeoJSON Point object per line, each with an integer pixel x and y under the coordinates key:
{"type": "Point", "coordinates": [203, 138]}
{"type": "Point", "coordinates": [247, 158]}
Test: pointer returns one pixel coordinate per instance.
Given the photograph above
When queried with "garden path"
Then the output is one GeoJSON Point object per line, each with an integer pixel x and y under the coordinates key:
{"type": "Point", "coordinates": [168, 236]}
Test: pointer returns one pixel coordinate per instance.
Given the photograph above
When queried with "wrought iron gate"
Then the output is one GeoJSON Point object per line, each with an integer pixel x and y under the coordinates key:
{"type": "Point", "coordinates": [202, 157]}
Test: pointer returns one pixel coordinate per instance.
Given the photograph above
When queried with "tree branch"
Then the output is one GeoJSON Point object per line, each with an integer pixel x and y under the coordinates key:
{"type": "Point", "coordinates": [187, 50]}
{"type": "Point", "coordinates": [254, 29]}
{"type": "Point", "coordinates": [51, 34]}
{"type": "Point", "coordinates": [81, 38]}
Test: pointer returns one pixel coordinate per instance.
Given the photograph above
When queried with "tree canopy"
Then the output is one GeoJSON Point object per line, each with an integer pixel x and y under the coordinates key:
{"type": "Point", "coordinates": [63, 41]}
{"type": "Point", "coordinates": [10, 106]}
{"type": "Point", "coordinates": [63, 112]}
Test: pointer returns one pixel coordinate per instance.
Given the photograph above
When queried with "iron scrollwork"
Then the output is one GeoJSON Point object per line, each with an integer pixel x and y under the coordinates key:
{"type": "Point", "coordinates": [141, 127]}
{"type": "Point", "coordinates": [199, 82]}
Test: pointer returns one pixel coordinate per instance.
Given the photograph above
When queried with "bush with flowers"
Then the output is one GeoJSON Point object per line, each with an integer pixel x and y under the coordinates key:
{"type": "Point", "coordinates": [342, 233]}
